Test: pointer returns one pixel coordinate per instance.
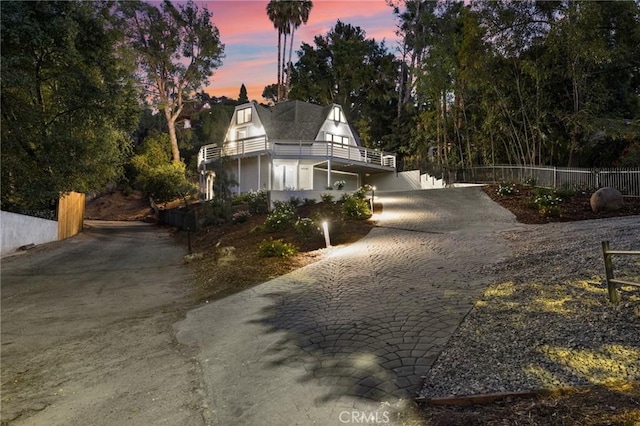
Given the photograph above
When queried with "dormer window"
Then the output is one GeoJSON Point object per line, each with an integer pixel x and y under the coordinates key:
{"type": "Point", "coordinates": [336, 115]}
{"type": "Point", "coordinates": [243, 116]}
{"type": "Point", "coordinates": [344, 140]}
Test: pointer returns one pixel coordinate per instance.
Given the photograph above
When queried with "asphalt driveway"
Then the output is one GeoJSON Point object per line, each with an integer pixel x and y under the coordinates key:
{"type": "Point", "coordinates": [87, 333]}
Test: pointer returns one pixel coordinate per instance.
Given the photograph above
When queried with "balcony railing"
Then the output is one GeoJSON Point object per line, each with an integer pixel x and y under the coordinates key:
{"type": "Point", "coordinates": [298, 149]}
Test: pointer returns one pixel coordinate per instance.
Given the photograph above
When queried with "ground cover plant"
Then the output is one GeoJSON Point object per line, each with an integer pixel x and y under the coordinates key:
{"type": "Point", "coordinates": [269, 244]}
{"type": "Point", "coordinates": [536, 205]}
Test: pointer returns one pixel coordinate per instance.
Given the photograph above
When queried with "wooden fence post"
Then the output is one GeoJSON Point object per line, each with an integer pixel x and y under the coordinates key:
{"type": "Point", "coordinates": [608, 268]}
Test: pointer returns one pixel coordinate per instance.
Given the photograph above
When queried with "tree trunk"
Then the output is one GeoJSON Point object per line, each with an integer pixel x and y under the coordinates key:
{"type": "Point", "coordinates": [171, 125]}
{"type": "Point", "coordinates": [279, 88]}
{"type": "Point", "coordinates": [289, 66]}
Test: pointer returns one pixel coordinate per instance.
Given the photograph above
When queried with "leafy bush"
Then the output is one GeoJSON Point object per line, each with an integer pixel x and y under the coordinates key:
{"type": "Point", "coordinates": [354, 207]}
{"type": "Point", "coordinates": [326, 198]}
{"type": "Point", "coordinates": [362, 191]}
{"type": "Point", "coordinates": [276, 248]}
{"type": "Point", "coordinates": [306, 228]}
{"type": "Point", "coordinates": [165, 182]}
{"type": "Point", "coordinates": [505, 189]}
{"type": "Point", "coordinates": [530, 181]}
{"type": "Point", "coordinates": [216, 212]}
{"type": "Point", "coordinates": [258, 201]}
{"type": "Point", "coordinates": [548, 205]}
{"type": "Point", "coordinates": [295, 201]}
{"type": "Point", "coordinates": [308, 201]}
{"type": "Point", "coordinates": [339, 184]}
{"type": "Point", "coordinates": [241, 216]}
{"type": "Point", "coordinates": [280, 218]}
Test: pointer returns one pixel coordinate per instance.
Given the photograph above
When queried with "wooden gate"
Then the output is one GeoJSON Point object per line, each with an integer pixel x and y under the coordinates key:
{"type": "Point", "coordinates": [70, 215]}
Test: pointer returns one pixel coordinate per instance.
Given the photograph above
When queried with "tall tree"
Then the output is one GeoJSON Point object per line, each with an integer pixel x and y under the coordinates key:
{"type": "Point", "coordinates": [178, 50]}
{"type": "Point", "coordinates": [298, 14]}
{"type": "Point", "coordinates": [68, 103]}
{"type": "Point", "coordinates": [242, 97]}
{"type": "Point", "coordinates": [347, 68]}
{"type": "Point", "coordinates": [277, 13]}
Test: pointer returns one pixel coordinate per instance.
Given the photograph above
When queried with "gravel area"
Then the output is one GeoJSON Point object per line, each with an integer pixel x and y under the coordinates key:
{"type": "Point", "coordinates": [545, 321]}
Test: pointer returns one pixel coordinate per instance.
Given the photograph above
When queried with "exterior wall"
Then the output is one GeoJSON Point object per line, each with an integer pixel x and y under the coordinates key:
{"type": "Point", "coordinates": [19, 230]}
{"type": "Point", "coordinates": [253, 128]}
{"type": "Point", "coordinates": [429, 182]}
{"type": "Point", "coordinates": [352, 180]}
{"type": "Point", "coordinates": [402, 181]}
{"type": "Point", "coordinates": [249, 178]}
{"type": "Point", "coordinates": [311, 194]}
{"type": "Point", "coordinates": [336, 128]}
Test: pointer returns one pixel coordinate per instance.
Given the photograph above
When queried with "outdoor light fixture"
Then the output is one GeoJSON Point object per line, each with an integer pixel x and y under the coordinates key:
{"type": "Point", "coordinates": [325, 231]}
{"type": "Point", "coordinates": [373, 194]}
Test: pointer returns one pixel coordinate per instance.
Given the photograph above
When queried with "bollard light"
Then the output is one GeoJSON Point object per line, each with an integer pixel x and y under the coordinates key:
{"type": "Point", "coordinates": [373, 195]}
{"type": "Point", "coordinates": [325, 231]}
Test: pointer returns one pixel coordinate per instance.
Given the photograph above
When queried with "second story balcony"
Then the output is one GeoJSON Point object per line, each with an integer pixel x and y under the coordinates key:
{"type": "Point", "coordinates": [303, 150]}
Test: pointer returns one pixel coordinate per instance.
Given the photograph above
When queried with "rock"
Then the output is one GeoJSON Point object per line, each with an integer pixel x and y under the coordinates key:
{"type": "Point", "coordinates": [606, 199]}
{"type": "Point", "coordinates": [193, 257]}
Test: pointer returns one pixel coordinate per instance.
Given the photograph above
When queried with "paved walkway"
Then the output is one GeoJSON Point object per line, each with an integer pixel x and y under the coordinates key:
{"type": "Point", "coordinates": [348, 338]}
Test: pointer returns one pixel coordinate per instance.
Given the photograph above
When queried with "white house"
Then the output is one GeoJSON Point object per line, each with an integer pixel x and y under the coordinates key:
{"type": "Point", "coordinates": [292, 145]}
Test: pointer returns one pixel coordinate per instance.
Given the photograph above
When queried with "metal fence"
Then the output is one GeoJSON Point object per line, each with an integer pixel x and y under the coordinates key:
{"type": "Point", "coordinates": [186, 220]}
{"type": "Point", "coordinates": [627, 181]}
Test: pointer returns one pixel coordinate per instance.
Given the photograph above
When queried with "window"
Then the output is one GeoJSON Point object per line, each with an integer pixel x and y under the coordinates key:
{"type": "Point", "coordinates": [336, 115]}
{"type": "Point", "coordinates": [243, 116]}
{"type": "Point", "coordinates": [336, 138]}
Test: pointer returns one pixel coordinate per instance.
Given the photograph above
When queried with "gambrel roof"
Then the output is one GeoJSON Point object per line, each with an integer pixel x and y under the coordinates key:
{"type": "Point", "coordinates": [293, 120]}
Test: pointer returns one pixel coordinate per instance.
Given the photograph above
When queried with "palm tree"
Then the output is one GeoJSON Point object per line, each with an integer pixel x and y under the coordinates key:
{"type": "Point", "coordinates": [299, 14]}
{"type": "Point", "coordinates": [276, 11]}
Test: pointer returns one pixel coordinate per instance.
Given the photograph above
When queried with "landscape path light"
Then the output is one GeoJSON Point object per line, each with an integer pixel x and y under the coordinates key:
{"type": "Point", "coordinates": [373, 195]}
{"type": "Point", "coordinates": [325, 231]}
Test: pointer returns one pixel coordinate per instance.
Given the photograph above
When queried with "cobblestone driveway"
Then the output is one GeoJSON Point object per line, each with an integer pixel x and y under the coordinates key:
{"type": "Point", "coordinates": [355, 331]}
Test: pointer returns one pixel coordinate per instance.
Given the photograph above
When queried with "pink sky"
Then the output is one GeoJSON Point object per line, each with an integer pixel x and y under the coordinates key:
{"type": "Point", "coordinates": [251, 42]}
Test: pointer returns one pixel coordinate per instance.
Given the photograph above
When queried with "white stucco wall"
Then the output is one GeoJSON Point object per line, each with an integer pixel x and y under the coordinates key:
{"type": "Point", "coordinates": [430, 182]}
{"type": "Point", "coordinates": [352, 181]}
{"type": "Point", "coordinates": [309, 194]}
{"type": "Point", "coordinates": [19, 230]}
{"type": "Point", "coordinates": [402, 181]}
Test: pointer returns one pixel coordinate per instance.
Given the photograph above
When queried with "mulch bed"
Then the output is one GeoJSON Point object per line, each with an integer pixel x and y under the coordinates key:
{"type": "Point", "coordinates": [575, 208]}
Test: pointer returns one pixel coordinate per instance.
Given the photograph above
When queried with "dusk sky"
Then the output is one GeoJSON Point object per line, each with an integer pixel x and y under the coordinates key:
{"type": "Point", "coordinates": [251, 41]}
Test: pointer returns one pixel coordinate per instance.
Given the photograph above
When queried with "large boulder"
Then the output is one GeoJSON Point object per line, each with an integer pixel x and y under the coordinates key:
{"type": "Point", "coordinates": [606, 199]}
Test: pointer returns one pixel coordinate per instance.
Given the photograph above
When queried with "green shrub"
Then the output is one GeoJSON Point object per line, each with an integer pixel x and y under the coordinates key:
{"type": "Point", "coordinates": [308, 201]}
{"type": "Point", "coordinates": [548, 205]}
{"type": "Point", "coordinates": [280, 218]}
{"type": "Point", "coordinates": [295, 201]}
{"type": "Point", "coordinates": [505, 189]}
{"type": "Point", "coordinates": [306, 228]}
{"type": "Point", "coordinates": [326, 198]}
{"type": "Point", "coordinates": [241, 216]}
{"type": "Point", "coordinates": [216, 212]}
{"type": "Point", "coordinates": [258, 201]}
{"type": "Point", "coordinates": [165, 182]}
{"type": "Point", "coordinates": [276, 248]}
{"type": "Point", "coordinates": [354, 207]}
{"type": "Point", "coordinates": [565, 193]}
{"type": "Point", "coordinates": [362, 191]}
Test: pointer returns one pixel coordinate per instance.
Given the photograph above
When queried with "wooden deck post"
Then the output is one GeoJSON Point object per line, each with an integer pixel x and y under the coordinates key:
{"type": "Point", "coordinates": [608, 268]}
